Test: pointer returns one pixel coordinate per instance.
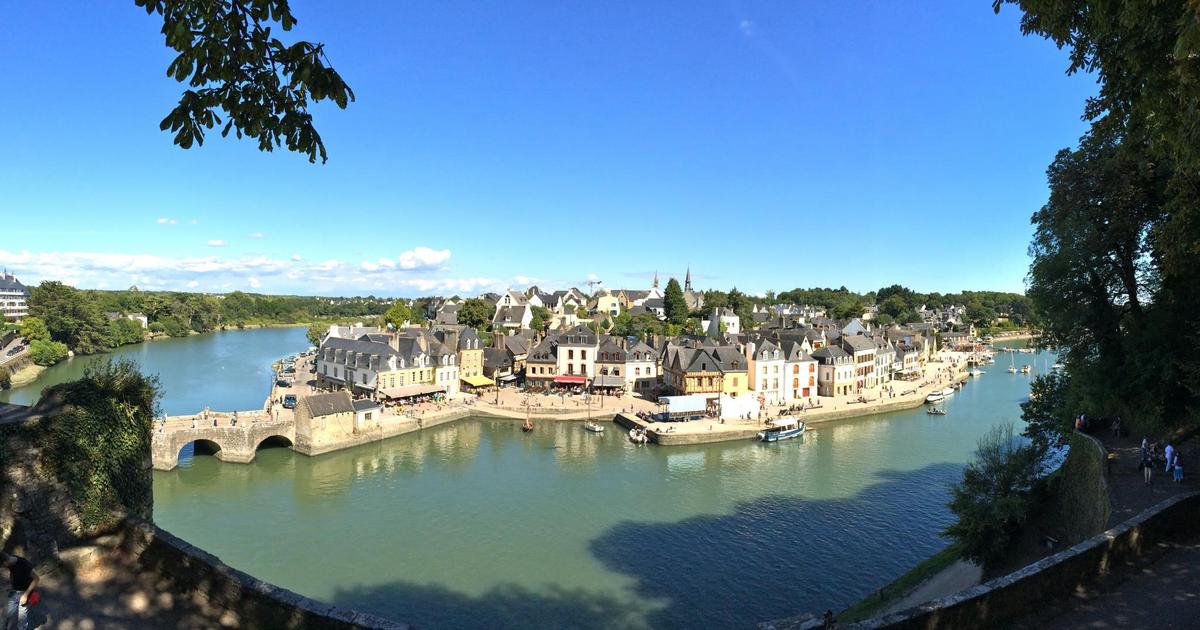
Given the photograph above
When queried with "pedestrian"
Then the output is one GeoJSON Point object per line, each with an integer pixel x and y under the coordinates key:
{"type": "Point", "coordinates": [21, 595]}
{"type": "Point", "coordinates": [1178, 469]}
{"type": "Point", "coordinates": [1170, 456]}
{"type": "Point", "coordinates": [1147, 466]}
{"type": "Point", "coordinates": [827, 620]}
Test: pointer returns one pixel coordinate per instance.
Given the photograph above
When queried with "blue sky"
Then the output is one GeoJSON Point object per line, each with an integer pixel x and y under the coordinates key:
{"type": "Point", "coordinates": [770, 145]}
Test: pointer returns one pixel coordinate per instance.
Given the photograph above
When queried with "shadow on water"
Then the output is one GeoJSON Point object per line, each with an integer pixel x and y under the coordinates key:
{"type": "Point", "coordinates": [771, 557]}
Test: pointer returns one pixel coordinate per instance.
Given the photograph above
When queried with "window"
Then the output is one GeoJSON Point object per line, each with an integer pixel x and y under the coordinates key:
{"type": "Point", "coordinates": [795, 368]}
{"type": "Point", "coordinates": [583, 354]}
{"type": "Point", "coordinates": [637, 371]}
{"type": "Point", "coordinates": [735, 381]}
{"type": "Point", "coordinates": [570, 354]}
{"type": "Point", "coordinates": [616, 371]}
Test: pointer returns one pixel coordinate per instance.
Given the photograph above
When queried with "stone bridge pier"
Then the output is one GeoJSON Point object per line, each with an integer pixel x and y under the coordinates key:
{"type": "Point", "coordinates": [236, 444]}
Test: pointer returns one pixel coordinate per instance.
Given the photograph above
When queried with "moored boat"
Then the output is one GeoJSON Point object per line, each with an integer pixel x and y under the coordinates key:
{"type": "Point", "coordinates": [947, 391]}
{"type": "Point", "coordinates": [936, 411]}
{"type": "Point", "coordinates": [780, 429]}
{"type": "Point", "coordinates": [934, 397]}
{"type": "Point", "coordinates": [976, 373]}
{"type": "Point", "coordinates": [1025, 369]}
{"type": "Point", "coordinates": [593, 427]}
{"type": "Point", "coordinates": [637, 435]}
{"type": "Point", "coordinates": [527, 426]}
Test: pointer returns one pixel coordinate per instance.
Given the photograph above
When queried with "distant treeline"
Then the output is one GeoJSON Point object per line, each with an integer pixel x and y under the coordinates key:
{"type": "Point", "coordinates": [91, 321]}
{"type": "Point", "coordinates": [897, 304]}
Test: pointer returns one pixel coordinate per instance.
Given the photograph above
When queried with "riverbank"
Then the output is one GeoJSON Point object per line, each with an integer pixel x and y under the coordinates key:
{"type": "Point", "coordinates": [26, 375]}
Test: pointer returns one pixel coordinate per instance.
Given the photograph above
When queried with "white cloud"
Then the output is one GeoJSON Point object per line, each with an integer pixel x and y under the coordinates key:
{"type": "Point", "coordinates": [297, 257]}
{"type": "Point", "coordinates": [592, 277]}
{"type": "Point", "coordinates": [381, 276]}
{"type": "Point", "coordinates": [193, 222]}
{"type": "Point", "coordinates": [256, 235]}
{"type": "Point", "coordinates": [165, 221]}
{"type": "Point", "coordinates": [216, 243]}
{"type": "Point", "coordinates": [525, 280]}
{"type": "Point", "coordinates": [423, 258]}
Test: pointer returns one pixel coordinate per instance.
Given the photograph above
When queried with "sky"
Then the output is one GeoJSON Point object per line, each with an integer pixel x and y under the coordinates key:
{"type": "Point", "coordinates": [763, 145]}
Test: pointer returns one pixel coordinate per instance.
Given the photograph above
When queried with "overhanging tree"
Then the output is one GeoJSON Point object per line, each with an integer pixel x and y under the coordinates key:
{"type": "Point", "coordinates": [233, 63]}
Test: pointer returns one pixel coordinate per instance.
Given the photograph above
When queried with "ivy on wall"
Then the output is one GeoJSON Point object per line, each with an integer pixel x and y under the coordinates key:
{"type": "Point", "coordinates": [99, 445]}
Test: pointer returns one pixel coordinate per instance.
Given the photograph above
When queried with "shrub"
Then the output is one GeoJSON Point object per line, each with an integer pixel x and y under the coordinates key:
{"type": "Point", "coordinates": [994, 497]}
{"type": "Point", "coordinates": [44, 352]}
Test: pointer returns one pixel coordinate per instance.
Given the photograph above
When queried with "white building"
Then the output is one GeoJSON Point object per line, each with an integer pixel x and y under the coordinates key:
{"type": "Point", "coordinates": [14, 297]}
{"type": "Point", "coordinates": [722, 318]}
{"type": "Point", "coordinates": [768, 375]}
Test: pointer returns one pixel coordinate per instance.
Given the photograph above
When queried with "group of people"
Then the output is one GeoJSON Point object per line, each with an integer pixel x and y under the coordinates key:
{"type": "Point", "coordinates": [1171, 457]}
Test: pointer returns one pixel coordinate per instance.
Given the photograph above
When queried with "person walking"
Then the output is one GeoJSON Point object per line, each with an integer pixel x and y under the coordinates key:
{"type": "Point", "coordinates": [1147, 464]}
{"type": "Point", "coordinates": [1169, 452]}
{"type": "Point", "coordinates": [23, 580]}
{"type": "Point", "coordinates": [1178, 465]}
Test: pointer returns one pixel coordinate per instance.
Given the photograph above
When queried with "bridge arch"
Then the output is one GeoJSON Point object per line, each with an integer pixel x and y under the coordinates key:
{"type": "Point", "coordinates": [197, 447]}
{"type": "Point", "coordinates": [273, 441]}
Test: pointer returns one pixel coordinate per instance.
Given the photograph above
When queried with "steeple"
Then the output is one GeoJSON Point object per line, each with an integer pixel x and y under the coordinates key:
{"type": "Point", "coordinates": [687, 280]}
{"type": "Point", "coordinates": [655, 279]}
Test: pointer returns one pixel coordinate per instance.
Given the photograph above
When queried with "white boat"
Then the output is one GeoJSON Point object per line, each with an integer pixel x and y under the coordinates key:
{"type": "Point", "coordinates": [936, 411]}
{"type": "Point", "coordinates": [638, 436]}
{"type": "Point", "coordinates": [779, 429]}
{"type": "Point", "coordinates": [1025, 369]}
{"type": "Point", "coordinates": [593, 427]}
{"type": "Point", "coordinates": [948, 391]}
{"type": "Point", "coordinates": [934, 397]}
{"type": "Point", "coordinates": [976, 373]}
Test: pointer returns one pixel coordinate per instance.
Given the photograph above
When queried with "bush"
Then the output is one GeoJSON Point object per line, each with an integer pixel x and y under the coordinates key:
{"type": "Point", "coordinates": [44, 352]}
{"type": "Point", "coordinates": [5, 379]}
{"type": "Point", "coordinates": [994, 497]}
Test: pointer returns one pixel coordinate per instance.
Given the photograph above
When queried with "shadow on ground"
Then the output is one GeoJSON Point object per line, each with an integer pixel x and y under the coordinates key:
{"type": "Point", "coordinates": [772, 557]}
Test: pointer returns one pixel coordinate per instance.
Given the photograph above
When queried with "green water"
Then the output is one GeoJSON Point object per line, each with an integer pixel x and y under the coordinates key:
{"type": "Point", "coordinates": [477, 525]}
{"type": "Point", "coordinates": [225, 370]}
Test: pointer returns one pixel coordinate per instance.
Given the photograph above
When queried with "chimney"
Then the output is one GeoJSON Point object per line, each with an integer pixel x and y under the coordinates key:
{"type": "Point", "coordinates": [451, 339]}
{"type": "Point", "coordinates": [498, 340]}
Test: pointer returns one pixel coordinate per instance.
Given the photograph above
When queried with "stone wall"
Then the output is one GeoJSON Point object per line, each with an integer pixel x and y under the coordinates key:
{"type": "Point", "coordinates": [254, 603]}
{"type": "Point", "coordinates": [1013, 596]}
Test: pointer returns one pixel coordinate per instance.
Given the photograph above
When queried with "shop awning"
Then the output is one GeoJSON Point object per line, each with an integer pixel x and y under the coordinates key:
{"type": "Point", "coordinates": [608, 380]}
{"type": "Point", "coordinates": [409, 391]}
{"type": "Point", "coordinates": [478, 381]}
{"type": "Point", "coordinates": [570, 380]}
{"type": "Point", "coordinates": [508, 378]}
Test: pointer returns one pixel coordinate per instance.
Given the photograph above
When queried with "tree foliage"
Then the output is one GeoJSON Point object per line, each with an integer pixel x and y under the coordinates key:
{"type": "Point", "coordinates": [34, 329]}
{"type": "Point", "coordinates": [993, 498]}
{"type": "Point", "coordinates": [399, 315]}
{"type": "Point", "coordinates": [1116, 243]}
{"type": "Point", "coordinates": [674, 304]}
{"type": "Point", "coordinates": [232, 63]}
{"type": "Point", "coordinates": [47, 352]}
{"type": "Point", "coordinates": [315, 333]}
{"type": "Point", "coordinates": [476, 313]}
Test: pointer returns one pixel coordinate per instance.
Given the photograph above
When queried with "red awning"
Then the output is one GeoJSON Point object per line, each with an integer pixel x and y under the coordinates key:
{"type": "Point", "coordinates": [571, 380]}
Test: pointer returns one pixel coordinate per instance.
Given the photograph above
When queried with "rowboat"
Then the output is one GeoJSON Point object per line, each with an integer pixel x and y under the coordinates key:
{"type": "Point", "coordinates": [936, 411]}
{"type": "Point", "coordinates": [638, 436]}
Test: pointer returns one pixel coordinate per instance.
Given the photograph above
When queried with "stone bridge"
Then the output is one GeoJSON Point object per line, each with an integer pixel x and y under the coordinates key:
{"type": "Point", "coordinates": [228, 441]}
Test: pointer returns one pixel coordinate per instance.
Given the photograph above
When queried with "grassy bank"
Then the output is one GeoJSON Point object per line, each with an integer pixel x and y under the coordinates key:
{"type": "Point", "coordinates": [903, 585]}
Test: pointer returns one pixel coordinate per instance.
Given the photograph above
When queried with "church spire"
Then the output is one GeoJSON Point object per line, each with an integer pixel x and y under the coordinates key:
{"type": "Point", "coordinates": [687, 280]}
{"type": "Point", "coordinates": [655, 279]}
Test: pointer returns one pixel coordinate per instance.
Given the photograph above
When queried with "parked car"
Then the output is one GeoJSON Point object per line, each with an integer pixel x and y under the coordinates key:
{"type": "Point", "coordinates": [15, 349]}
{"type": "Point", "coordinates": [289, 401]}
{"type": "Point", "coordinates": [282, 383]}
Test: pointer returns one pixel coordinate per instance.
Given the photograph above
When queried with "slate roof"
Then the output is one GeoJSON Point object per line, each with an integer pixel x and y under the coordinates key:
{"type": "Point", "coordinates": [366, 405]}
{"type": "Point", "coordinates": [544, 352]}
{"type": "Point", "coordinates": [829, 352]}
{"type": "Point", "coordinates": [510, 314]}
{"type": "Point", "coordinates": [10, 282]}
{"type": "Point", "coordinates": [858, 343]}
{"type": "Point", "coordinates": [580, 335]}
{"type": "Point", "coordinates": [496, 358]}
{"type": "Point", "coordinates": [328, 404]}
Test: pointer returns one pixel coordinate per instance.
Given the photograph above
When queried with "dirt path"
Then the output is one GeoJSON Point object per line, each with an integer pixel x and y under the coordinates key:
{"type": "Point", "coordinates": [957, 577]}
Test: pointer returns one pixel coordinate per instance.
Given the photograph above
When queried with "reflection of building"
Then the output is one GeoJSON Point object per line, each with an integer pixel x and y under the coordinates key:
{"type": "Point", "coordinates": [14, 297]}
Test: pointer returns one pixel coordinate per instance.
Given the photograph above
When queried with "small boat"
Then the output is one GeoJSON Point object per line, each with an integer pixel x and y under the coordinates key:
{"type": "Point", "coordinates": [780, 429]}
{"type": "Point", "coordinates": [1012, 369]}
{"type": "Point", "coordinates": [1025, 369]}
{"type": "Point", "coordinates": [936, 411]}
{"type": "Point", "coordinates": [934, 397]}
{"type": "Point", "coordinates": [976, 373]}
{"type": "Point", "coordinates": [948, 391]}
{"type": "Point", "coordinates": [593, 427]}
{"type": "Point", "coordinates": [527, 426]}
{"type": "Point", "coordinates": [638, 436]}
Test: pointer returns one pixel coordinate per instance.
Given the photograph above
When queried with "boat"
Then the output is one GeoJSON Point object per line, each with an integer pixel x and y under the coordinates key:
{"type": "Point", "coordinates": [638, 435]}
{"type": "Point", "coordinates": [1056, 366]}
{"type": "Point", "coordinates": [936, 411]}
{"type": "Point", "coordinates": [976, 373]}
{"type": "Point", "coordinates": [593, 427]}
{"type": "Point", "coordinates": [934, 397]}
{"type": "Point", "coordinates": [948, 391]}
{"type": "Point", "coordinates": [527, 426]}
{"type": "Point", "coordinates": [781, 429]}
{"type": "Point", "coordinates": [1012, 369]}
{"type": "Point", "coordinates": [1025, 369]}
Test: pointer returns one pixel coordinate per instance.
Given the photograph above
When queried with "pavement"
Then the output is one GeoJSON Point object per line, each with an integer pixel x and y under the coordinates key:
{"type": "Point", "coordinates": [1163, 594]}
{"type": "Point", "coordinates": [5, 358]}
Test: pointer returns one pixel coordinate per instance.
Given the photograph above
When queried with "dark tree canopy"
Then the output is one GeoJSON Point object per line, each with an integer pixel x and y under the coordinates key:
{"type": "Point", "coordinates": [233, 63]}
{"type": "Point", "coordinates": [674, 304]}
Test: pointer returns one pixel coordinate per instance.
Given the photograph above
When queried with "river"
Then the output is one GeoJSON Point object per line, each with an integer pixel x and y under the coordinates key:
{"type": "Point", "coordinates": [224, 370]}
{"type": "Point", "coordinates": [478, 525]}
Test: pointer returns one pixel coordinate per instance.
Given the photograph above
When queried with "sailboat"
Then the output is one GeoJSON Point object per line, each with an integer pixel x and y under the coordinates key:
{"type": "Point", "coordinates": [1012, 365]}
{"type": "Point", "coordinates": [588, 425]}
